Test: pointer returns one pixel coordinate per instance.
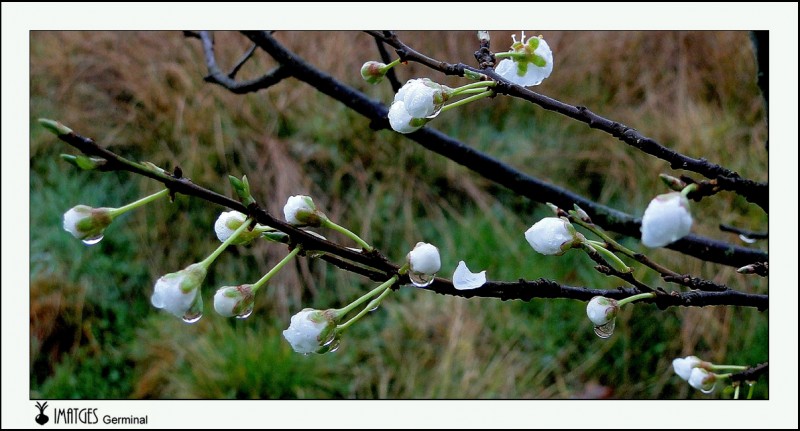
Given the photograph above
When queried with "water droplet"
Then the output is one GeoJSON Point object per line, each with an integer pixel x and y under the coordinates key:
{"type": "Point", "coordinates": [93, 240]}
{"type": "Point", "coordinates": [192, 317]}
{"type": "Point", "coordinates": [419, 279]}
{"type": "Point", "coordinates": [334, 346]}
{"type": "Point", "coordinates": [330, 339]}
{"type": "Point", "coordinates": [606, 330]}
{"type": "Point", "coordinates": [245, 313]}
{"type": "Point", "coordinates": [747, 239]}
{"type": "Point", "coordinates": [709, 390]}
{"type": "Point", "coordinates": [374, 308]}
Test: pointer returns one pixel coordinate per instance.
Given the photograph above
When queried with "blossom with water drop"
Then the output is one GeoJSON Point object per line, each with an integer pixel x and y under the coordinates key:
{"type": "Point", "coordinates": [301, 211]}
{"type": "Point", "coordinates": [311, 331]}
{"type": "Point", "coordinates": [703, 380]}
{"type": "Point", "coordinates": [230, 301]}
{"type": "Point", "coordinates": [602, 312]}
{"type": "Point", "coordinates": [423, 264]}
{"type": "Point", "coordinates": [87, 223]}
{"type": "Point", "coordinates": [552, 236]}
{"type": "Point", "coordinates": [179, 292]}
{"type": "Point", "coordinates": [464, 279]}
{"type": "Point", "coordinates": [666, 220]}
{"type": "Point", "coordinates": [529, 61]}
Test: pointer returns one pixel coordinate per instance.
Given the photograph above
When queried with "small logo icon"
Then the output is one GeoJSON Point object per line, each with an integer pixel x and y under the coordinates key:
{"type": "Point", "coordinates": [41, 418]}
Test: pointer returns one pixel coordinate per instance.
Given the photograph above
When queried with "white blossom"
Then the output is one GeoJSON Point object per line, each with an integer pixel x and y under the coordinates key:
{"type": "Point", "coordinates": [666, 220]}
{"type": "Point", "coordinates": [309, 331]}
{"type": "Point", "coordinates": [464, 279]}
{"type": "Point", "coordinates": [228, 222]}
{"type": "Point", "coordinates": [525, 71]}
{"type": "Point", "coordinates": [702, 379]}
{"type": "Point", "coordinates": [601, 310]}
{"type": "Point", "coordinates": [178, 292]}
{"type": "Point", "coordinates": [85, 222]}
{"type": "Point", "coordinates": [550, 235]}
{"type": "Point", "coordinates": [424, 259]}
{"type": "Point", "coordinates": [301, 211]}
{"type": "Point", "coordinates": [683, 366]}
{"type": "Point", "coordinates": [401, 121]}
{"type": "Point", "coordinates": [232, 301]}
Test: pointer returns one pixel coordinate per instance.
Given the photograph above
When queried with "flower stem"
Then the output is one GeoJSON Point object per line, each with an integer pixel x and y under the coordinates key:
{"type": "Point", "coordinates": [372, 304]}
{"type": "Point", "coordinates": [624, 301]}
{"type": "Point", "coordinates": [478, 96]}
{"type": "Point", "coordinates": [715, 367]}
{"type": "Point", "coordinates": [385, 285]}
{"type": "Point", "coordinates": [210, 259]}
{"type": "Point", "coordinates": [613, 245]}
{"type": "Point", "coordinates": [257, 285]}
{"type": "Point", "coordinates": [610, 257]}
{"type": "Point", "coordinates": [736, 392]}
{"type": "Point", "coordinates": [473, 86]}
{"type": "Point", "coordinates": [114, 212]}
{"type": "Point", "coordinates": [688, 189]}
{"type": "Point", "coordinates": [750, 391]}
{"type": "Point", "coordinates": [329, 224]}
{"type": "Point", "coordinates": [384, 69]}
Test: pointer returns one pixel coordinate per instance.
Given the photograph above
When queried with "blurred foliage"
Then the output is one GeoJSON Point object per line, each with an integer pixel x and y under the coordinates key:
{"type": "Point", "coordinates": [95, 335]}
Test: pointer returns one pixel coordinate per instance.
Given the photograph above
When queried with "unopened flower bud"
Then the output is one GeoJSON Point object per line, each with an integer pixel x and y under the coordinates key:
{"type": "Point", "coordinates": [178, 292]}
{"type": "Point", "coordinates": [666, 220]}
{"type": "Point", "coordinates": [373, 72]}
{"type": "Point", "coordinates": [230, 301]}
{"type": "Point", "coordinates": [310, 331]}
{"type": "Point", "coordinates": [87, 223]}
{"type": "Point", "coordinates": [551, 236]}
{"type": "Point", "coordinates": [301, 211]}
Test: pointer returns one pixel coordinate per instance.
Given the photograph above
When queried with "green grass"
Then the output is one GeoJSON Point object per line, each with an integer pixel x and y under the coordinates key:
{"type": "Point", "coordinates": [95, 334]}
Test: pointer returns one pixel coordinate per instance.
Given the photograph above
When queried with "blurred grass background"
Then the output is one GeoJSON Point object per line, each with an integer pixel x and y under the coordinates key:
{"type": "Point", "coordinates": [94, 333]}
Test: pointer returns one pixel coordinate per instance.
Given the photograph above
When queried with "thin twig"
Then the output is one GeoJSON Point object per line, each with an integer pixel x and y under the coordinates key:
{"type": "Point", "coordinates": [216, 76]}
{"type": "Point", "coordinates": [386, 59]}
{"type": "Point", "coordinates": [744, 232]}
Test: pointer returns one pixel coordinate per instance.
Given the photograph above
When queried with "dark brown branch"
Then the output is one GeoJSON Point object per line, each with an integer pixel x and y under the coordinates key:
{"type": "Point", "coordinates": [377, 267]}
{"type": "Point", "coordinates": [747, 233]}
{"type": "Point", "coordinates": [757, 193]}
{"type": "Point", "coordinates": [216, 76]}
{"type": "Point", "coordinates": [751, 374]}
{"type": "Point", "coordinates": [494, 170]}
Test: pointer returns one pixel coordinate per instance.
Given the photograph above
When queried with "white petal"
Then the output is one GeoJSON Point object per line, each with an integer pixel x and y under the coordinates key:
{"type": "Point", "coordinates": [400, 119]}
{"type": "Point", "coordinates": [548, 235]}
{"type": "Point", "coordinates": [683, 366]}
{"type": "Point", "coordinates": [464, 279]}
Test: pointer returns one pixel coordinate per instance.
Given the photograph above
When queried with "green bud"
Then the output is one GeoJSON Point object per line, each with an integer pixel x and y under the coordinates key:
{"type": "Point", "coordinates": [55, 127]}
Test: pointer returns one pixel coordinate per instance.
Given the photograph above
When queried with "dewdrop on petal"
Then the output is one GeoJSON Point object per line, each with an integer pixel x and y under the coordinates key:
{"type": "Point", "coordinates": [312, 331]}
{"type": "Point", "coordinates": [602, 312]}
{"type": "Point", "coordinates": [228, 222]}
{"type": "Point", "coordinates": [179, 293]}
{"type": "Point", "coordinates": [87, 223]}
{"type": "Point", "coordinates": [424, 262]}
{"type": "Point", "coordinates": [666, 220]}
{"type": "Point", "coordinates": [464, 279]}
{"type": "Point", "coordinates": [703, 380]}
{"type": "Point", "coordinates": [238, 301]}
{"type": "Point", "coordinates": [532, 64]}
{"type": "Point", "coordinates": [551, 236]}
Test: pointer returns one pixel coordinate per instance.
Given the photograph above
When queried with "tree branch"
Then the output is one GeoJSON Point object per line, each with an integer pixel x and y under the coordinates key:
{"type": "Point", "coordinates": [494, 170]}
{"type": "Point", "coordinates": [751, 374]}
{"type": "Point", "coordinates": [376, 266]}
{"type": "Point", "coordinates": [216, 76]}
{"type": "Point", "coordinates": [757, 193]}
